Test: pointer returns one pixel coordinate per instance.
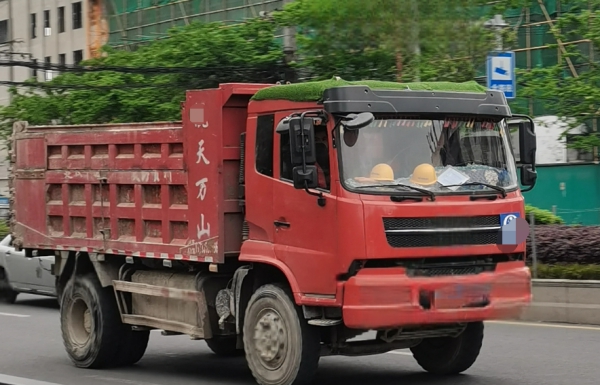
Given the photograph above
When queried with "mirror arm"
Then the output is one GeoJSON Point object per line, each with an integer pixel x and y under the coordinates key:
{"type": "Point", "coordinates": [529, 188]}
{"type": "Point", "coordinates": [320, 198]}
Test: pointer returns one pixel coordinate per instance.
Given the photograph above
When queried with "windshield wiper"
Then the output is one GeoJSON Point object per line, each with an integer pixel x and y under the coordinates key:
{"type": "Point", "coordinates": [501, 190]}
{"type": "Point", "coordinates": [430, 194]}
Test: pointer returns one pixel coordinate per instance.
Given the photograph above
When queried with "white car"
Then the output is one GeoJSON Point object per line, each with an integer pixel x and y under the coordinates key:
{"type": "Point", "coordinates": [19, 274]}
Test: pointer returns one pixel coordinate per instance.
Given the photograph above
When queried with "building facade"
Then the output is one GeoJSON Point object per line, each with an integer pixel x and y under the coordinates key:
{"type": "Point", "coordinates": [39, 31]}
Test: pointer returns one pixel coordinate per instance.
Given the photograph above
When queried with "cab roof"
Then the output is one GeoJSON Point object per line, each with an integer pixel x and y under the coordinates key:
{"type": "Point", "coordinates": [313, 91]}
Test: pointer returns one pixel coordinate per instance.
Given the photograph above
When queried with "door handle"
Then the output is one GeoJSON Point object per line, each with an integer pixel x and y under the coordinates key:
{"type": "Point", "coordinates": [282, 224]}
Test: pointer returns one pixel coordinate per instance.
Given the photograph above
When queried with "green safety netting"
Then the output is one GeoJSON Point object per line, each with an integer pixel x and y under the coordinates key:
{"type": "Point", "coordinates": [119, 7]}
{"type": "Point", "coordinates": [125, 6]}
{"type": "Point", "coordinates": [136, 21]}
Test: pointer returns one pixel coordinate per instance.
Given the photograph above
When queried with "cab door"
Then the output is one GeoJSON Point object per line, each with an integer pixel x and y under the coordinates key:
{"type": "Point", "coordinates": [305, 233]}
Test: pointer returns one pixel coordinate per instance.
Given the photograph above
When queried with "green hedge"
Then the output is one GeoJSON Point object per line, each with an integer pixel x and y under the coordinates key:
{"type": "Point", "coordinates": [542, 217]}
{"type": "Point", "coordinates": [4, 229]}
{"type": "Point", "coordinates": [571, 271]}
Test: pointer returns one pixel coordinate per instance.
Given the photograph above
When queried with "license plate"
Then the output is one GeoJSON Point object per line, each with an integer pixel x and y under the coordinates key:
{"type": "Point", "coordinates": [460, 295]}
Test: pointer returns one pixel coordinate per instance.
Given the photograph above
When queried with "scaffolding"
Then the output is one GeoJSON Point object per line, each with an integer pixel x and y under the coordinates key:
{"type": "Point", "coordinates": [535, 46]}
{"type": "Point", "coordinates": [132, 22]}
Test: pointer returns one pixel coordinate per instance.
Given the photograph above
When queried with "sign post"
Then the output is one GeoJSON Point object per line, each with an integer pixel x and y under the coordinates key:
{"type": "Point", "coordinates": [501, 73]}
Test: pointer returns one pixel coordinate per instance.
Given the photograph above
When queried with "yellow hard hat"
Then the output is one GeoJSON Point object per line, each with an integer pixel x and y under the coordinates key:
{"type": "Point", "coordinates": [424, 174]}
{"type": "Point", "coordinates": [382, 172]}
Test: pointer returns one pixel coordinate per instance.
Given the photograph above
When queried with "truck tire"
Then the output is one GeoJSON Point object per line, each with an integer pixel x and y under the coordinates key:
{"type": "Point", "coordinates": [7, 294]}
{"type": "Point", "coordinates": [91, 326]}
{"type": "Point", "coordinates": [224, 346]}
{"type": "Point", "coordinates": [446, 356]}
{"type": "Point", "coordinates": [134, 347]}
{"type": "Point", "coordinates": [293, 357]}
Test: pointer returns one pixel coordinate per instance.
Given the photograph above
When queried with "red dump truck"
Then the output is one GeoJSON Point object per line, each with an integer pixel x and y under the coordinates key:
{"type": "Point", "coordinates": [282, 221]}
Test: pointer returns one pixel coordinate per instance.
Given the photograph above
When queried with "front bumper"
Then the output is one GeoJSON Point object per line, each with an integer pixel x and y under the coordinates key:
{"type": "Point", "coordinates": [381, 298]}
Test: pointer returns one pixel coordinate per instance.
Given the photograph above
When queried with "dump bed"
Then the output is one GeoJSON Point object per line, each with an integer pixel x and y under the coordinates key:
{"type": "Point", "coordinates": [158, 190]}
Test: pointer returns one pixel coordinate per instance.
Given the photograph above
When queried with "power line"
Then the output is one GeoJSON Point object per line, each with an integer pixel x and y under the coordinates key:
{"type": "Point", "coordinates": [131, 69]}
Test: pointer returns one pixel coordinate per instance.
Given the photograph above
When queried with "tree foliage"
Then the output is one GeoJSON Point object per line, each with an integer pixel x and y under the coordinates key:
{"type": "Point", "coordinates": [390, 40]}
{"type": "Point", "coordinates": [571, 88]}
{"type": "Point", "coordinates": [377, 39]}
{"type": "Point", "coordinates": [193, 57]}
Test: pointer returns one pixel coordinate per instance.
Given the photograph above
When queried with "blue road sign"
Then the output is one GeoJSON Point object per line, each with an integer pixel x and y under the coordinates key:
{"type": "Point", "coordinates": [501, 73]}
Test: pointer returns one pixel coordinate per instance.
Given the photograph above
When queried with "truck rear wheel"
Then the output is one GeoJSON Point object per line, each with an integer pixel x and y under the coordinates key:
{"type": "Point", "coordinates": [224, 346]}
{"type": "Point", "coordinates": [91, 326]}
{"type": "Point", "coordinates": [134, 347]}
{"type": "Point", "coordinates": [281, 347]}
{"type": "Point", "coordinates": [450, 355]}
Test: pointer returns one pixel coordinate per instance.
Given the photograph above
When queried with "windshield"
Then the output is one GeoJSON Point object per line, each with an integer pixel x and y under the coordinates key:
{"type": "Point", "coordinates": [435, 155]}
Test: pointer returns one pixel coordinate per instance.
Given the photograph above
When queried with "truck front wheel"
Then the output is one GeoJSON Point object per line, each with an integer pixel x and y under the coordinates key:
{"type": "Point", "coordinates": [281, 347]}
{"type": "Point", "coordinates": [91, 326]}
{"type": "Point", "coordinates": [448, 355]}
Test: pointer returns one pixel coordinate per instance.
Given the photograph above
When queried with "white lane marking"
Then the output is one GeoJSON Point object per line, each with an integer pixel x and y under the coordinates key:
{"type": "Point", "coordinates": [10, 380]}
{"type": "Point", "coordinates": [546, 325]}
{"type": "Point", "coordinates": [401, 353]}
{"type": "Point", "coordinates": [15, 315]}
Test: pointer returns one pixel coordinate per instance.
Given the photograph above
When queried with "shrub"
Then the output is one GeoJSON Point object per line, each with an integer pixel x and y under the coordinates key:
{"type": "Point", "coordinates": [4, 229]}
{"type": "Point", "coordinates": [571, 271]}
{"type": "Point", "coordinates": [542, 217]}
{"type": "Point", "coordinates": [562, 244]}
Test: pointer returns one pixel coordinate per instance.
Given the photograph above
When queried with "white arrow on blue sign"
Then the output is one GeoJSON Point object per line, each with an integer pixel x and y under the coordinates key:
{"type": "Point", "coordinates": [501, 73]}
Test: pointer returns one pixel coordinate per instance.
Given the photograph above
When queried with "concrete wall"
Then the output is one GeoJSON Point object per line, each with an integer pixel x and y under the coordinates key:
{"type": "Point", "coordinates": [565, 301]}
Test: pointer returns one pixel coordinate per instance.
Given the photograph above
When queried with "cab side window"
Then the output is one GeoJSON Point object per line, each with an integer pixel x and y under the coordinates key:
{"type": "Point", "coordinates": [265, 128]}
{"type": "Point", "coordinates": [285, 157]}
{"type": "Point", "coordinates": [322, 157]}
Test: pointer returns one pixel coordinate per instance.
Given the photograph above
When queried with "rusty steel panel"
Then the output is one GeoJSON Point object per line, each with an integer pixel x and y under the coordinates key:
{"type": "Point", "coordinates": [213, 121]}
{"type": "Point", "coordinates": [158, 190]}
{"type": "Point", "coordinates": [31, 155]}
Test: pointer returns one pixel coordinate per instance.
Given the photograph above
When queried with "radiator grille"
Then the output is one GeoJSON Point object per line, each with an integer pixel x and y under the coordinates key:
{"type": "Point", "coordinates": [442, 231]}
{"type": "Point", "coordinates": [440, 222]}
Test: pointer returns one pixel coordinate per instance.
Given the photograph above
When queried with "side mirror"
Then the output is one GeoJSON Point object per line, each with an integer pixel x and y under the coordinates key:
{"type": "Point", "coordinates": [302, 141]}
{"type": "Point", "coordinates": [300, 177]}
{"type": "Point", "coordinates": [528, 176]}
{"type": "Point", "coordinates": [527, 141]}
{"type": "Point", "coordinates": [358, 121]}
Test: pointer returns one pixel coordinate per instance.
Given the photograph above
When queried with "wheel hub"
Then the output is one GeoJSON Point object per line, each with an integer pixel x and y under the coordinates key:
{"type": "Point", "coordinates": [79, 322]}
{"type": "Point", "coordinates": [270, 339]}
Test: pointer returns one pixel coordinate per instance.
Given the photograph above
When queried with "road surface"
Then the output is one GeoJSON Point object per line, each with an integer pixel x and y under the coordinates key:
{"type": "Point", "coordinates": [513, 354]}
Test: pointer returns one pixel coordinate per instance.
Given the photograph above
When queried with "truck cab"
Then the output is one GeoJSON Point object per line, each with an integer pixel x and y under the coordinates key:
{"type": "Point", "coordinates": [415, 188]}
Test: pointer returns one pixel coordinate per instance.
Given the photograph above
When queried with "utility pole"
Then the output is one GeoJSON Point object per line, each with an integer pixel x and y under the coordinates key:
{"type": "Point", "coordinates": [11, 69]}
{"type": "Point", "coordinates": [415, 38]}
{"type": "Point", "coordinates": [289, 46]}
{"type": "Point", "coordinates": [497, 24]}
